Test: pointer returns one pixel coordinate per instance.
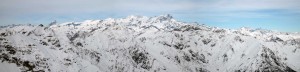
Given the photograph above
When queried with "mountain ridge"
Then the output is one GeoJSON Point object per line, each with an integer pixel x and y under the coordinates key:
{"type": "Point", "coordinates": [140, 43]}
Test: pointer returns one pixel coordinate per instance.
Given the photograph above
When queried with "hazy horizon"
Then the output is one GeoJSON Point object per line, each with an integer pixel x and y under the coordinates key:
{"type": "Point", "coordinates": [280, 15]}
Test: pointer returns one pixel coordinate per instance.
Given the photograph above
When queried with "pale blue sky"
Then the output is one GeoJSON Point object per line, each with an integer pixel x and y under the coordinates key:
{"type": "Point", "coordinates": [280, 15]}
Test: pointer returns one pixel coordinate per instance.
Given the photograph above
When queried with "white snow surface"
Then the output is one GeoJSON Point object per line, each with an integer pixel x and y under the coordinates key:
{"type": "Point", "coordinates": [151, 44]}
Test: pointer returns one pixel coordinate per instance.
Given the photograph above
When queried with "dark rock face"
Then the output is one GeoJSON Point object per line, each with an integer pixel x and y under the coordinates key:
{"type": "Point", "coordinates": [206, 41]}
{"type": "Point", "coordinates": [25, 65]}
{"type": "Point", "coordinates": [238, 38]}
{"type": "Point", "coordinates": [179, 46]}
{"type": "Point", "coordinates": [79, 44]}
{"type": "Point", "coordinates": [41, 25]}
{"type": "Point", "coordinates": [144, 45]}
{"type": "Point", "coordinates": [189, 28]}
{"type": "Point", "coordinates": [276, 39]}
{"type": "Point", "coordinates": [141, 58]}
{"type": "Point", "coordinates": [272, 63]}
{"type": "Point", "coordinates": [74, 37]}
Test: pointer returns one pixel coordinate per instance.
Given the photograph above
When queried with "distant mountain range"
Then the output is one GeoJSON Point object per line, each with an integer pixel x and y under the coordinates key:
{"type": "Point", "coordinates": [151, 44]}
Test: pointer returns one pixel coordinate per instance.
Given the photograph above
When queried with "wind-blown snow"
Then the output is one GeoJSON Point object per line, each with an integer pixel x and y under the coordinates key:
{"type": "Point", "coordinates": [139, 43]}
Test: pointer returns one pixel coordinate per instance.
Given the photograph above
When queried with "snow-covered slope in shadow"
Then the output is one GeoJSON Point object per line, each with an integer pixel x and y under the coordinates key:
{"type": "Point", "coordinates": [139, 43]}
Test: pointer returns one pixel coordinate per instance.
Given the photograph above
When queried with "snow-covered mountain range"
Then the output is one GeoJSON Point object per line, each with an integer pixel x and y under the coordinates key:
{"type": "Point", "coordinates": [151, 44]}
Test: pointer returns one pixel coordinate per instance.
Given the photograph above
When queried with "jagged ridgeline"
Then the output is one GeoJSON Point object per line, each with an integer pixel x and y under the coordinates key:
{"type": "Point", "coordinates": [151, 44]}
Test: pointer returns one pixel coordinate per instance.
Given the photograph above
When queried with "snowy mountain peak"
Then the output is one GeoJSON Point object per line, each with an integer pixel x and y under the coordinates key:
{"type": "Point", "coordinates": [145, 44]}
{"type": "Point", "coordinates": [164, 17]}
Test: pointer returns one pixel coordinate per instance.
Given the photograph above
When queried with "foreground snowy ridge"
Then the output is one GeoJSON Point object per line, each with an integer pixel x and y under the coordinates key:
{"type": "Point", "coordinates": [151, 44]}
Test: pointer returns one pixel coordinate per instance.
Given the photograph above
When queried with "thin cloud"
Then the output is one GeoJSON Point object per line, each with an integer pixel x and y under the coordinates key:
{"type": "Point", "coordinates": [45, 11]}
{"type": "Point", "coordinates": [91, 6]}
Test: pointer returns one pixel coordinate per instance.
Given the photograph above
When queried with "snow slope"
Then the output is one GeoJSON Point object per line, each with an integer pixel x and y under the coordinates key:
{"type": "Point", "coordinates": [139, 43]}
